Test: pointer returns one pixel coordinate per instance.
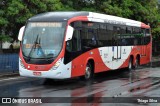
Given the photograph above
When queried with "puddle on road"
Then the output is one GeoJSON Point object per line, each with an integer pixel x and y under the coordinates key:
{"type": "Point", "coordinates": [119, 83]}
{"type": "Point", "coordinates": [75, 87]}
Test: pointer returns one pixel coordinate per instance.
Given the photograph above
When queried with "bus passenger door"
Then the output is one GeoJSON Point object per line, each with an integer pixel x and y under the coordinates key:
{"type": "Point", "coordinates": [116, 45]}
{"type": "Point", "coordinates": [116, 52]}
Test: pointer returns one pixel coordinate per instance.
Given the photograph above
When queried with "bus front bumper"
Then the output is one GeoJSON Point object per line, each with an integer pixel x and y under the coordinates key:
{"type": "Point", "coordinates": [62, 72]}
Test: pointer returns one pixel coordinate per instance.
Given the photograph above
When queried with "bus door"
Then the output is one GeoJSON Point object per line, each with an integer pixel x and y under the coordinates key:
{"type": "Point", "coordinates": [73, 46]}
{"type": "Point", "coordinates": [116, 44]}
{"type": "Point", "coordinates": [144, 46]}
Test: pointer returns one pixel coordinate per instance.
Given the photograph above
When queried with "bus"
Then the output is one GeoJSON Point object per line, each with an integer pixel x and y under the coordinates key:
{"type": "Point", "coordinates": [62, 45]}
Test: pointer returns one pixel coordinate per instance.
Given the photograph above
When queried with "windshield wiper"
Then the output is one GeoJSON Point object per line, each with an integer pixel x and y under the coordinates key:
{"type": "Point", "coordinates": [40, 48]}
{"type": "Point", "coordinates": [33, 47]}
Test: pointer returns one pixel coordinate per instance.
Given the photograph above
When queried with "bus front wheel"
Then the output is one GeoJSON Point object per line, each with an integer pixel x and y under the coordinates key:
{"type": "Point", "coordinates": [88, 72]}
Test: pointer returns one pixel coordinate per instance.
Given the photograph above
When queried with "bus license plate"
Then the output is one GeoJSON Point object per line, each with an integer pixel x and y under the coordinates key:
{"type": "Point", "coordinates": [37, 73]}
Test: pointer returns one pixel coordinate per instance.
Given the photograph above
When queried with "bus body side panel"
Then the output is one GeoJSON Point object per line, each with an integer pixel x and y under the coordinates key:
{"type": "Point", "coordinates": [107, 55]}
{"type": "Point", "coordinates": [146, 50]}
{"type": "Point", "coordinates": [136, 50]}
{"type": "Point", "coordinates": [79, 63]}
{"type": "Point", "coordinates": [147, 57]}
{"type": "Point", "coordinates": [102, 60]}
{"type": "Point", "coordinates": [126, 54]}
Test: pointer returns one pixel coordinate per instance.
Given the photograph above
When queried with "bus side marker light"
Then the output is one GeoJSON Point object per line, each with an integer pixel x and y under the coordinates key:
{"type": "Point", "coordinates": [91, 52]}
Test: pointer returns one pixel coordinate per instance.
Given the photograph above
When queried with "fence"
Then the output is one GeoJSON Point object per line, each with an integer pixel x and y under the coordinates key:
{"type": "Point", "coordinates": [8, 63]}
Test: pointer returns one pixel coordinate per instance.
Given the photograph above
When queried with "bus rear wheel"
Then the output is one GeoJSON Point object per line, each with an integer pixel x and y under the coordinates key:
{"type": "Point", "coordinates": [88, 72]}
{"type": "Point", "coordinates": [130, 64]}
{"type": "Point", "coordinates": [136, 63]}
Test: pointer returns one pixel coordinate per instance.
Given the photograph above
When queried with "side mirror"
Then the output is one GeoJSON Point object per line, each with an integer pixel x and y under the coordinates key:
{"type": "Point", "coordinates": [20, 35]}
{"type": "Point", "coordinates": [69, 33]}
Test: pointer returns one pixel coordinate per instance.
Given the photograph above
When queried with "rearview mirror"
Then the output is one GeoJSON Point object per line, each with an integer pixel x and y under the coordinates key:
{"type": "Point", "coordinates": [20, 35]}
{"type": "Point", "coordinates": [69, 33]}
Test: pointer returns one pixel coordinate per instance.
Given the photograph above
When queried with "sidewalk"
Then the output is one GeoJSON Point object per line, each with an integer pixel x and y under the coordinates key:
{"type": "Point", "coordinates": [8, 74]}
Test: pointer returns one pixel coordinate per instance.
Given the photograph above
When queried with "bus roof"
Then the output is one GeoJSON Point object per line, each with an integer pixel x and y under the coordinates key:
{"type": "Point", "coordinates": [57, 16]}
{"type": "Point", "coordinates": [94, 17]}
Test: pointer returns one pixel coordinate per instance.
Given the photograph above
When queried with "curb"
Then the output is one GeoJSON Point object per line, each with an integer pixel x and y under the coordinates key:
{"type": "Point", "coordinates": [9, 75]}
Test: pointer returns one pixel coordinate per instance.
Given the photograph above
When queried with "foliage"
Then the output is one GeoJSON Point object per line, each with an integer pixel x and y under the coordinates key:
{"type": "Point", "coordinates": [4, 38]}
{"type": "Point", "coordinates": [14, 13]}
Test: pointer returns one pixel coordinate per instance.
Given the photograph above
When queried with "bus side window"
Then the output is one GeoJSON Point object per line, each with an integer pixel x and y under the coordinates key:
{"type": "Point", "coordinates": [129, 35]}
{"type": "Point", "coordinates": [92, 40]}
{"type": "Point", "coordinates": [143, 32]}
{"type": "Point", "coordinates": [123, 41]}
{"type": "Point", "coordinates": [109, 34]}
{"type": "Point", "coordinates": [146, 37]}
{"type": "Point", "coordinates": [76, 41]}
{"type": "Point", "coordinates": [89, 35]}
{"type": "Point", "coordinates": [116, 37]}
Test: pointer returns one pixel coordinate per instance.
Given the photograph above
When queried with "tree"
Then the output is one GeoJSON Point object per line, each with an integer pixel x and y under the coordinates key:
{"type": "Point", "coordinates": [14, 13]}
{"type": "Point", "coordinates": [3, 21]}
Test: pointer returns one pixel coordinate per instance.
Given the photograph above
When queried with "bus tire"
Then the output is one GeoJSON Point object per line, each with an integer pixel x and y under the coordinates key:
{"type": "Point", "coordinates": [136, 63]}
{"type": "Point", "coordinates": [130, 64]}
{"type": "Point", "coordinates": [88, 72]}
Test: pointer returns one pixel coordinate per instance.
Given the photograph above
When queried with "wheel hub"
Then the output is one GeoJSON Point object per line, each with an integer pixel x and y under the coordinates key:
{"type": "Point", "coordinates": [88, 72]}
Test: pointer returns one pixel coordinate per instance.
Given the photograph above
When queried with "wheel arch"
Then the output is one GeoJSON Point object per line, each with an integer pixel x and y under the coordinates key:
{"type": "Point", "coordinates": [92, 62]}
{"type": "Point", "coordinates": [131, 57]}
{"type": "Point", "coordinates": [138, 56]}
{"type": "Point", "coordinates": [134, 57]}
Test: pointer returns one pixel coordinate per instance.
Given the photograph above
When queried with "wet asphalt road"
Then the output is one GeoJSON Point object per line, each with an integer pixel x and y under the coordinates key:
{"type": "Point", "coordinates": [143, 82]}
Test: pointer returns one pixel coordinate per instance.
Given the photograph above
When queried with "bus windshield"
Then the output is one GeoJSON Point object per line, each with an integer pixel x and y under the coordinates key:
{"type": "Point", "coordinates": [43, 39]}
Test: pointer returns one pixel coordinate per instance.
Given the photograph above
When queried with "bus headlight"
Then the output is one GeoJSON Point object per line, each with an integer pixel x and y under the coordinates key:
{"type": "Point", "coordinates": [56, 65]}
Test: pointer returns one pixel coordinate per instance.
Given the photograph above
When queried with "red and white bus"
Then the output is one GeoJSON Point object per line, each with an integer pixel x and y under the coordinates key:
{"type": "Point", "coordinates": [60, 45]}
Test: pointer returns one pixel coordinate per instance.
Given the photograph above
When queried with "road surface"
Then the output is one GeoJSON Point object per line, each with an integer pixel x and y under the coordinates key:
{"type": "Point", "coordinates": [114, 88]}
